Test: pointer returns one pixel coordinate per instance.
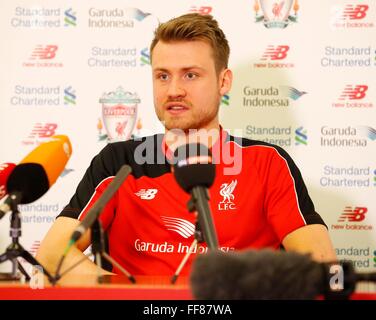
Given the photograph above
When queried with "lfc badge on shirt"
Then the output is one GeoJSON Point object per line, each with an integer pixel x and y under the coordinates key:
{"type": "Point", "coordinates": [227, 190]}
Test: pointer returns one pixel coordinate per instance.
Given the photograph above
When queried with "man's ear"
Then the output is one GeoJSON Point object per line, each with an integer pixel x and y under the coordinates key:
{"type": "Point", "coordinates": [225, 79]}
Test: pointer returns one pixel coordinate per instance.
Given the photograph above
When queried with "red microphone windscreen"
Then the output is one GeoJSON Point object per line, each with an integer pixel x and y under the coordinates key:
{"type": "Point", "coordinates": [5, 170]}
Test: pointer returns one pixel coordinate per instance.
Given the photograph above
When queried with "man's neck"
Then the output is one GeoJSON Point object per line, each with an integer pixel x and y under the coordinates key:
{"type": "Point", "coordinates": [207, 136]}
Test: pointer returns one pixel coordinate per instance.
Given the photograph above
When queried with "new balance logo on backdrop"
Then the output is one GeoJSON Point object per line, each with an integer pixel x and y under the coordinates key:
{"type": "Point", "coordinates": [44, 52]}
{"type": "Point", "coordinates": [351, 16]}
{"type": "Point", "coordinates": [353, 96]}
{"type": "Point", "coordinates": [354, 12]}
{"type": "Point", "coordinates": [43, 130]}
{"type": "Point", "coordinates": [350, 214]}
{"type": "Point", "coordinates": [146, 194]}
{"type": "Point", "coordinates": [40, 133]}
{"type": "Point", "coordinates": [356, 92]}
{"type": "Point", "coordinates": [201, 10]}
{"type": "Point", "coordinates": [275, 52]}
{"type": "Point", "coordinates": [351, 219]}
{"type": "Point", "coordinates": [275, 55]}
{"type": "Point", "coordinates": [42, 56]}
{"type": "Point", "coordinates": [181, 226]}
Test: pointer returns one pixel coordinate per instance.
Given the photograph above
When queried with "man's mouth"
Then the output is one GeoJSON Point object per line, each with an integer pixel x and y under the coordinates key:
{"type": "Point", "coordinates": [176, 109]}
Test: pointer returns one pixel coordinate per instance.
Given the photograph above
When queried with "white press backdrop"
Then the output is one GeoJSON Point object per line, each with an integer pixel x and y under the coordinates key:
{"type": "Point", "coordinates": [304, 78]}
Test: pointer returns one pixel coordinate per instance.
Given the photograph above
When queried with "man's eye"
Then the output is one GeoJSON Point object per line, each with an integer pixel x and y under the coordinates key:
{"type": "Point", "coordinates": [163, 76]}
{"type": "Point", "coordinates": [190, 75]}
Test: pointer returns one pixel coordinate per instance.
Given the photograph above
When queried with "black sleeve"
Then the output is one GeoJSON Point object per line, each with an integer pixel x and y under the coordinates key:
{"type": "Point", "coordinates": [103, 165]}
{"type": "Point", "coordinates": [305, 202]}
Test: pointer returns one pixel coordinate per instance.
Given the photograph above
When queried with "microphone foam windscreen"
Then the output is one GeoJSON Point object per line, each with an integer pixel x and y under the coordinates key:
{"type": "Point", "coordinates": [5, 171]}
{"type": "Point", "coordinates": [262, 275]}
{"type": "Point", "coordinates": [30, 179]}
{"type": "Point", "coordinates": [52, 155]}
{"type": "Point", "coordinates": [193, 166]}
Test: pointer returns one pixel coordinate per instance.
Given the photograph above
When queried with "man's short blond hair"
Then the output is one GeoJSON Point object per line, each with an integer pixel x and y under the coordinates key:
{"type": "Point", "coordinates": [191, 27]}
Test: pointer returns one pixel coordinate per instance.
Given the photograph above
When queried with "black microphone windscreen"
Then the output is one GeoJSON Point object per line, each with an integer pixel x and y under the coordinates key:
{"type": "Point", "coordinates": [261, 275]}
{"type": "Point", "coordinates": [30, 179]}
{"type": "Point", "coordinates": [193, 166]}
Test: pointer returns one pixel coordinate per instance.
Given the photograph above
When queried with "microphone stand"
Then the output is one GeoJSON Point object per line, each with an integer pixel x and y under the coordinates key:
{"type": "Point", "coordinates": [209, 237]}
{"type": "Point", "coordinates": [15, 249]}
{"type": "Point", "coordinates": [99, 252]}
{"type": "Point", "coordinates": [91, 221]}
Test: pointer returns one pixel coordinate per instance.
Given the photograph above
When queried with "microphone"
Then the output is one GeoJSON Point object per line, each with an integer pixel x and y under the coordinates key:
{"type": "Point", "coordinates": [37, 172]}
{"type": "Point", "coordinates": [92, 216]}
{"type": "Point", "coordinates": [5, 170]}
{"type": "Point", "coordinates": [267, 275]}
{"type": "Point", "coordinates": [195, 173]}
{"type": "Point", "coordinates": [97, 208]}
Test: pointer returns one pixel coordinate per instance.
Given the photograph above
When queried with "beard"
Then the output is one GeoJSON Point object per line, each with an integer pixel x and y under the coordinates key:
{"type": "Point", "coordinates": [193, 119]}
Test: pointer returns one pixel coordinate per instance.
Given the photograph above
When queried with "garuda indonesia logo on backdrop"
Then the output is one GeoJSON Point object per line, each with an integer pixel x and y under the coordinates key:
{"type": "Point", "coordinates": [276, 14]}
{"type": "Point", "coordinates": [119, 115]}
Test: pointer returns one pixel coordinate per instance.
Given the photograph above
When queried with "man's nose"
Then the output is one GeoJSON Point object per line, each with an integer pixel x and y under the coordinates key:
{"type": "Point", "coordinates": [176, 89]}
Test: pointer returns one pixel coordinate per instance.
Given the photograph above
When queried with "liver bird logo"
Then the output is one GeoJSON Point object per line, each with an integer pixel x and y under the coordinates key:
{"type": "Point", "coordinates": [226, 191]}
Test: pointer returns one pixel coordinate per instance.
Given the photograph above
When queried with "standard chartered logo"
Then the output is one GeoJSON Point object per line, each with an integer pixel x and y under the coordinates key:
{"type": "Point", "coordinates": [145, 57]}
{"type": "Point", "coordinates": [43, 96]}
{"type": "Point", "coordinates": [347, 176]}
{"type": "Point", "coordinates": [346, 57]}
{"type": "Point", "coordinates": [70, 18]}
{"type": "Point", "coordinates": [69, 96]}
{"type": "Point", "coordinates": [360, 257]}
{"type": "Point", "coordinates": [225, 100]}
{"type": "Point", "coordinates": [301, 136]}
{"type": "Point", "coordinates": [113, 57]}
{"type": "Point", "coordinates": [43, 17]}
{"type": "Point", "coordinates": [280, 136]}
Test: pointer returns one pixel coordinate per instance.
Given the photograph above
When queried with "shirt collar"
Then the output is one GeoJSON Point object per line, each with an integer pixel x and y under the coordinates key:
{"type": "Point", "coordinates": [223, 137]}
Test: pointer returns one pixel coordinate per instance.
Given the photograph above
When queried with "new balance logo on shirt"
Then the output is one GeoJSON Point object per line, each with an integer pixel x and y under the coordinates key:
{"type": "Point", "coordinates": [146, 194]}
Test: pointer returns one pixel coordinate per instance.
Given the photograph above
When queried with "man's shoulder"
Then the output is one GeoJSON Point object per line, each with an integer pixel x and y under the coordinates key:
{"type": "Point", "coordinates": [254, 145]}
{"type": "Point", "coordinates": [143, 154]}
{"type": "Point", "coordinates": [133, 143]}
